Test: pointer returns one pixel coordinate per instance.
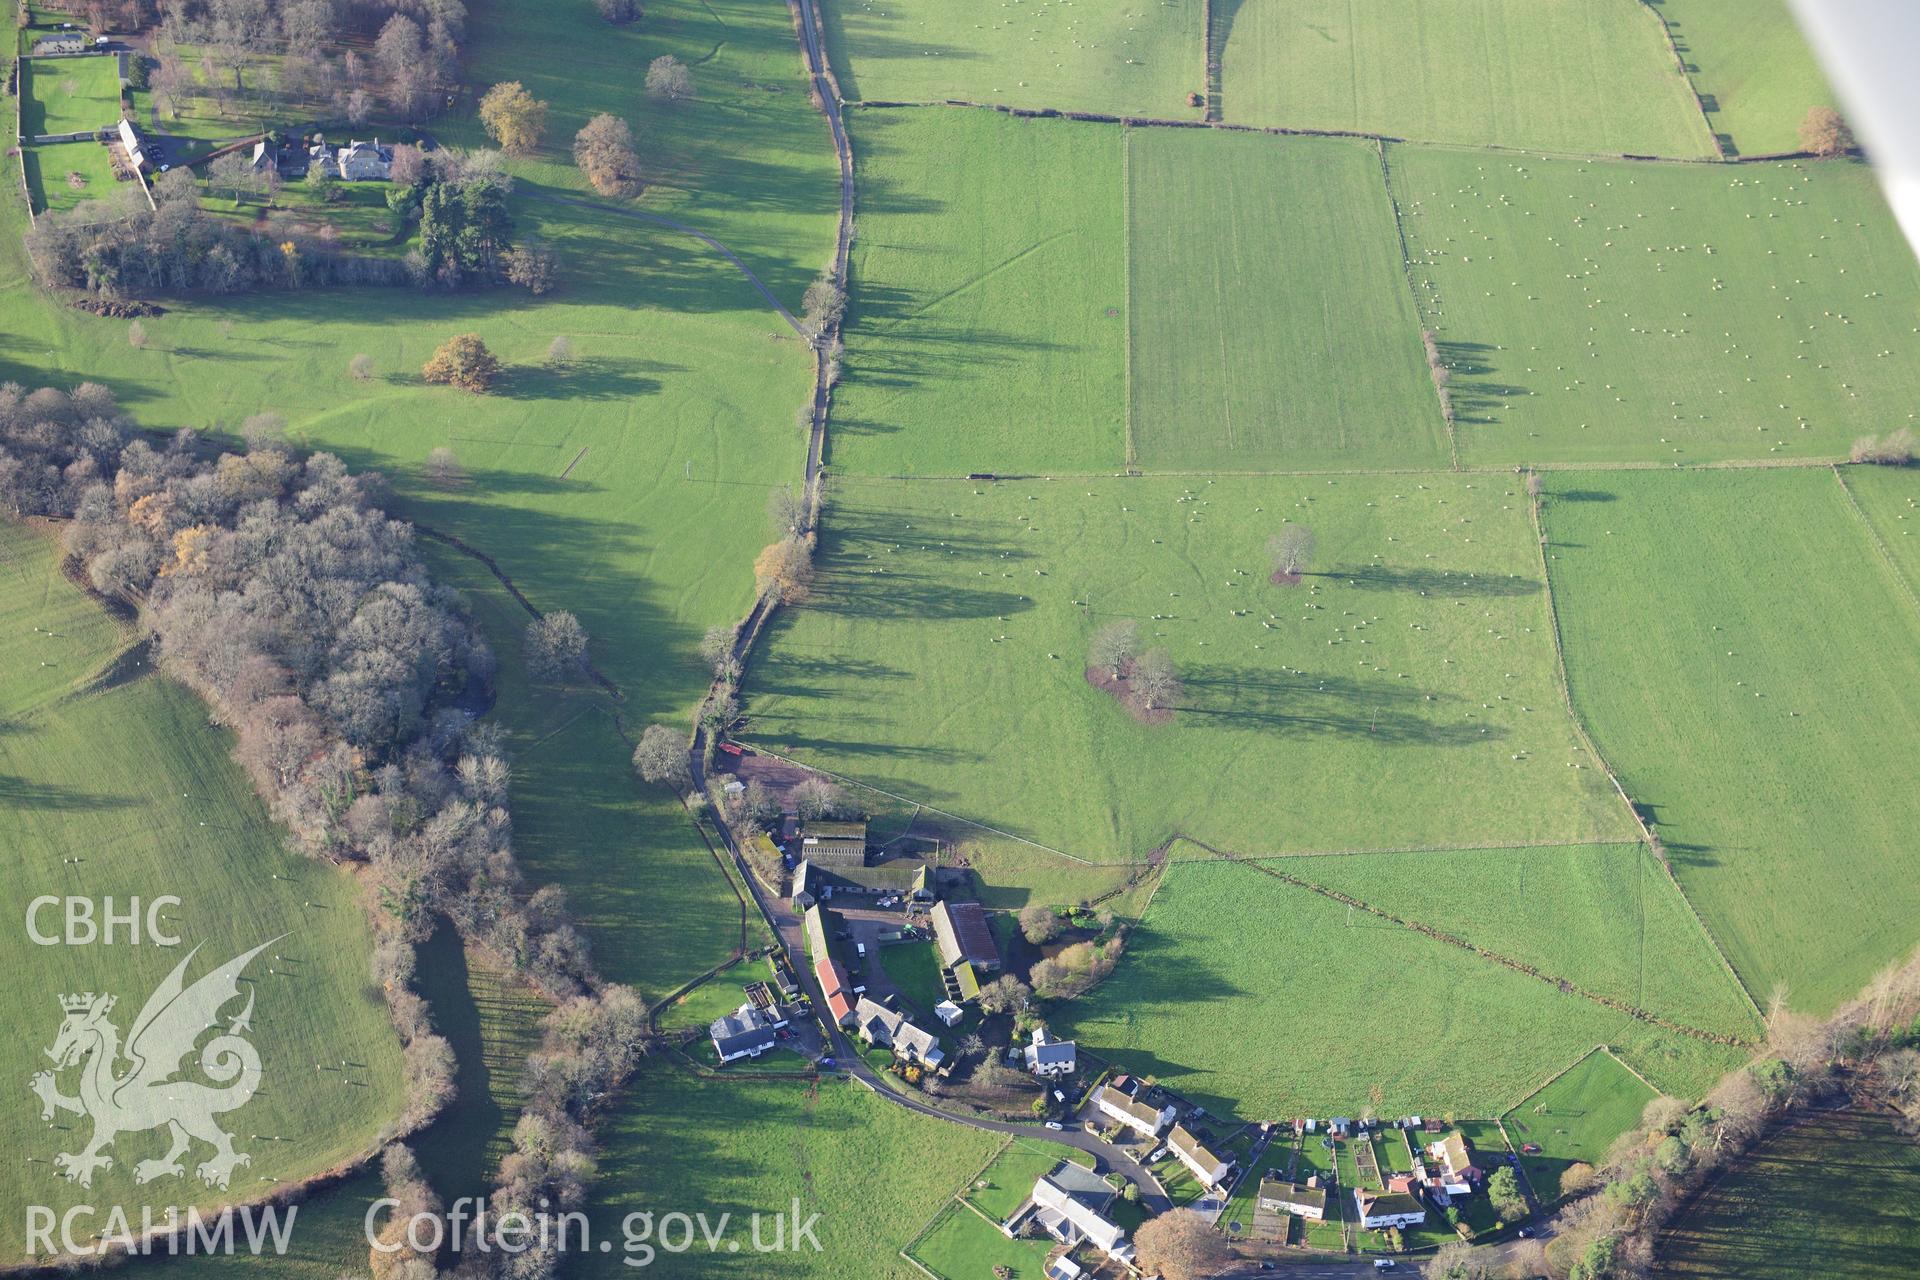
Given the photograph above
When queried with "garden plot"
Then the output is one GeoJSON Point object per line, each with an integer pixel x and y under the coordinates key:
{"type": "Point", "coordinates": [1561, 75]}
{"type": "Point", "coordinates": [1610, 311]}
{"type": "Point", "coordinates": [1253, 997]}
{"type": "Point", "coordinates": [1702, 620]}
{"type": "Point", "coordinates": [1403, 695]}
{"type": "Point", "coordinates": [68, 95]}
{"type": "Point", "coordinates": [1575, 1119]}
{"type": "Point", "coordinates": [986, 326]}
{"type": "Point", "coordinates": [1123, 57]}
{"type": "Point", "coordinates": [1752, 66]}
{"type": "Point", "coordinates": [1271, 326]}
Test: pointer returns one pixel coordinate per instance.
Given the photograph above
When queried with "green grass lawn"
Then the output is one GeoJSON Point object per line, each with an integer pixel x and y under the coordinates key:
{"type": "Point", "coordinates": [986, 325]}
{"type": "Point", "coordinates": [1833, 1195]}
{"type": "Point", "coordinates": [1607, 311]}
{"type": "Point", "coordinates": [1329, 1232]}
{"type": "Point", "coordinates": [118, 787]}
{"type": "Point", "coordinates": [63, 174]}
{"type": "Point", "coordinates": [1752, 67]}
{"type": "Point", "coordinates": [872, 1169]}
{"type": "Point", "coordinates": [716, 997]}
{"type": "Point", "coordinates": [1009, 1180]}
{"type": "Point", "coordinates": [1559, 75]}
{"type": "Point", "coordinates": [1277, 1158]}
{"type": "Point", "coordinates": [1752, 730]}
{"type": "Point", "coordinates": [915, 969]}
{"type": "Point", "coordinates": [1418, 657]}
{"type": "Point", "coordinates": [1133, 57]}
{"type": "Point", "coordinates": [1602, 916]}
{"type": "Point", "coordinates": [961, 1244]}
{"type": "Point", "coordinates": [1251, 258]}
{"type": "Point", "coordinates": [68, 95]}
{"type": "Point", "coordinates": [358, 222]}
{"type": "Point", "coordinates": [1576, 1118]}
{"type": "Point", "coordinates": [1336, 998]}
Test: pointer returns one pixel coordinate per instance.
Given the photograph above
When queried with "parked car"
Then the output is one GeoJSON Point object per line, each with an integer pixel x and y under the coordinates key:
{"type": "Point", "coordinates": [1526, 1233]}
{"type": "Point", "coordinates": [1383, 1264]}
{"type": "Point", "coordinates": [1055, 1125]}
{"type": "Point", "coordinates": [1531, 1148]}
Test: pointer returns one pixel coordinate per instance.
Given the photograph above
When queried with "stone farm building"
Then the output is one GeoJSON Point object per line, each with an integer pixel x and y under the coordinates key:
{"type": "Point", "coordinates": [964, 936]}
{"type": "Point", "coordinates": [834, 844]}
{"type": "Point", "coordinates": [890, 1029]}
{"type": "Point", "coordinates": [1131, 1112]}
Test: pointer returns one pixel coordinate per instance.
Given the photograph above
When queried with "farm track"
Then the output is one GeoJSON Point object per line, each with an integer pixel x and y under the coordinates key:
{"type": "Point", "coordinates": [1505, 961]}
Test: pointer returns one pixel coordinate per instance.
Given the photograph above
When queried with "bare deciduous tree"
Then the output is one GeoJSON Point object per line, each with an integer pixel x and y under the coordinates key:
{"type": "Point", "coordinates": [555, 645]}
{"type": "Point", "coordinates": [786, 510]}
{"type": "Point", "coordinates": [1181, 1245]}
{"type": "Point", "coordinates": [661, 756]}
{"type": "Point", "coordinates": [668, 79]}
{"type": "Point", "coordinates": [1292, 550]}
{"type": "Point", "coordinates": [442, 468]}
{"type": "Point", "coordinates": [1114, 645]}
{"type": "Point", "coordinates": [1039, 923]}
{"type": "Point", "coordinates": [1824, 132]}
{"type": "Point", "coordinates": [360, 368]}
{"type": "Point", "coordinates": [786, 568]}
{"type": "Point", "coordinates": [604, 151]}
{"type": "Point", "coordinates": [1155, 679]}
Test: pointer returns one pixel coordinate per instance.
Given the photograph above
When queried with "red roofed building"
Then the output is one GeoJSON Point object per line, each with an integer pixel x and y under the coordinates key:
{"type": "Point", "coordinates": [834, 989]}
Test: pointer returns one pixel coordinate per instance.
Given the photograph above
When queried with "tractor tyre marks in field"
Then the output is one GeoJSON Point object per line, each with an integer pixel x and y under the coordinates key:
{"type": "Point", "coordinates": [1518, 966]}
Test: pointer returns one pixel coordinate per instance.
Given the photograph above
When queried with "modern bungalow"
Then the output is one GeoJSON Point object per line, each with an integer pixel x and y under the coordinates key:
{"type": "Point", "coordinates": [1382, 1209]}
{"type": "Point", "coordinates": [1130, 1112]}
{"type": "Point", "coordinates": [1070, 1202]}
{"type": "Point", "coordinates": [1049, 1057]}
{"type": "Point", "coordinates": [744, 1033]}
{"type": "Point", "coordinates": [1280, 1196]}
{"type": "Point", "coordinates": [1209, 1168]}
{"type": "Point", "coordinates": [964, 936]}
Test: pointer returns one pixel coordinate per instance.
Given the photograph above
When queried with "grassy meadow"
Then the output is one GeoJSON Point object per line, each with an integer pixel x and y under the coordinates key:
{"type": "Point", "coordinates": [1755, 73]}
{"type": "Point", "coordinates": [1889, 498]}
{"type": "Point", "coordinates": [942, 658]}
{"type": "Point", "coordinates": [986, 326]}
{"type": "Point", "coordinates": [1554, 75]}
{"type": "Point", "coordinates": [1122, 57]}
{"type": "Point", "coordinates": [1602, 916]}
{"type": "Point", "coordinates": [871, 1169]}
{"type": "Point", "coordinates": [1575, 1119]}
{"type": "Point", "coordinates": [114, 785]}
{"type": "Point", "coordinates": [1833, 1195]}
{"type": "Point", "coordinates": [1698, 613]}
{"type": "Point", "coordinates": [1232, 972]}
{"type": "Point", "coordinates": [1616, 312]}
{"type": "Point", "coordinates": [1250, 258]}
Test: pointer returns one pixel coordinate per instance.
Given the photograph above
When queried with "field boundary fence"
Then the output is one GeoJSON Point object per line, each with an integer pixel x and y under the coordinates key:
{"type": "Point", "coordinates": [1413, 294]}
{"type": "Point", "coordinates": [1693, 90]}
{"type": "Point", "coordinates": [1879, 543]}
{"type": "Point", "coordinates": [1647, 835]}
{"type": "Point", "coordinates": [1210, 70]}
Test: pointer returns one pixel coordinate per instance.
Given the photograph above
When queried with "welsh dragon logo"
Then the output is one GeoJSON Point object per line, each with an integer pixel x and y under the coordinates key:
{"type": "Point", "coordinates": [149, 1091]}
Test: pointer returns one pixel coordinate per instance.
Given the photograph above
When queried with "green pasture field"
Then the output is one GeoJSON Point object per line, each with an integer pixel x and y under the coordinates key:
{"type": "Point", "coordinates": [1417, 656]}
{"type": "Point", "coordinates": [1251, 259]}
{"type": "Point", "coordinates": [1889, 498]}
{"type": "Point", "coordinates": [68, 95]}
{"type": "Point", "coordinates": [47, 169]}
{"type": "Point", "coordinates": [118, 788]}
{"type": "Point", "coordinates": [1698, 616]}
{"type": "Point", "coordinates": [1755, 73]}
{"type": "Point", "coordinates": [960, 1244]}
{"type": "Point", "coordinates": [743, 1146]}
{"type": "Point", "coordinates": [1617, 312]}
{"type": "Point", "coordinates": [1833, 1195]}
{"type": "Point", "coordinates": [1122, 57]}
{"type": "Point", "coordinates": [1009, 1180]}
{"type": "Point", "coordinates": [657, 909]}
{"type": "Point", "coordinates": [1337, 997]}
{"type": "Point", "coordinates": [1602, 916]}
{"type": "Point", "coordinates": [986, 322]}
{"type": "Point", "coordinates": [1556, 75]}
{"type": "Point", "coordinates": [1576, 1118]}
